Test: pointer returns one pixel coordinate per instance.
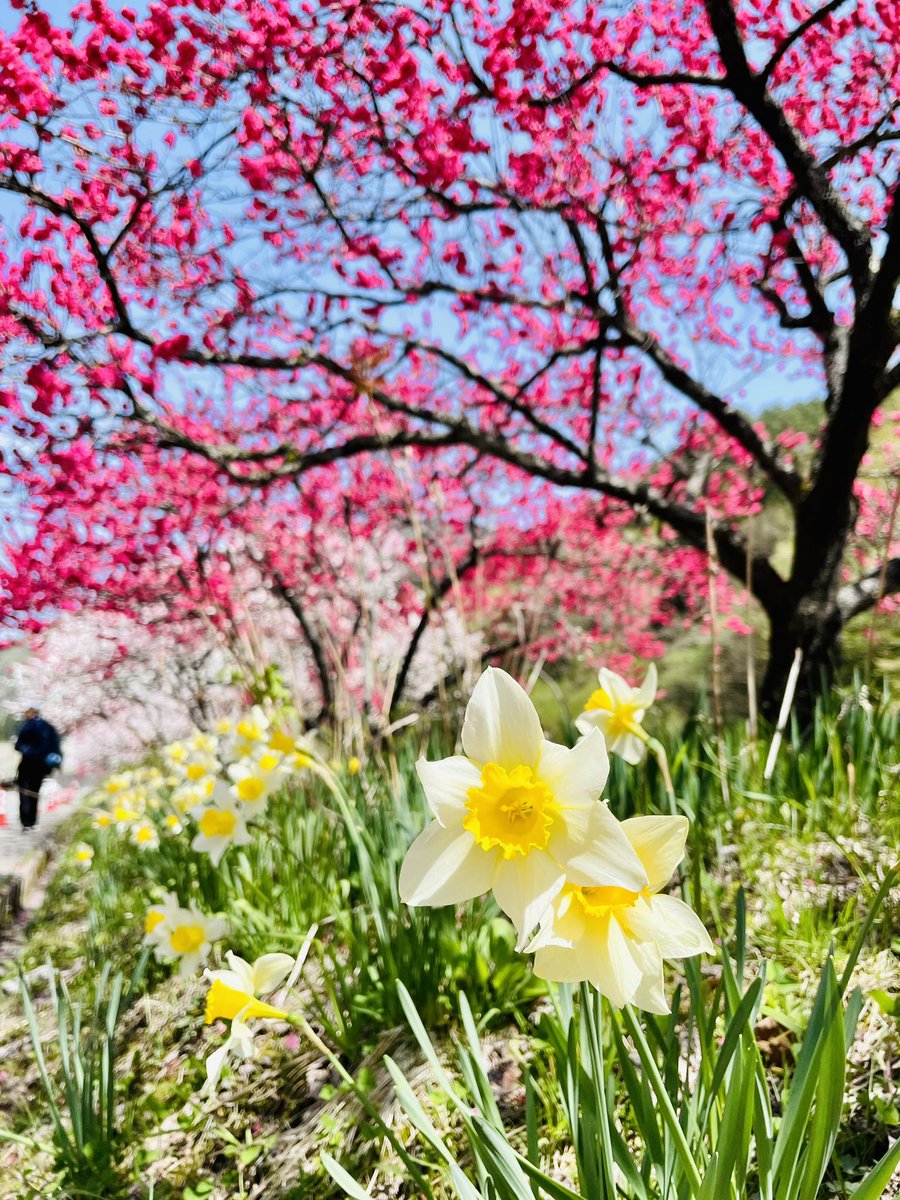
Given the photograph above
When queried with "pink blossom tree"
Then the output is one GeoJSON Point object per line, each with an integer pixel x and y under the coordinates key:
{"type": "Point", "coordinates": [545, 243]}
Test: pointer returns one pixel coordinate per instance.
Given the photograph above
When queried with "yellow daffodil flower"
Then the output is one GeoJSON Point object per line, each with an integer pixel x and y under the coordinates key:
{"type": "Point", "coordinates": [236, 992]}
{"type": "Point", "coordinates": [234, 996]}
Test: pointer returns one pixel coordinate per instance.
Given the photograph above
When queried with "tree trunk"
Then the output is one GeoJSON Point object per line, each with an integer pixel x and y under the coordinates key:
{"type": "Point", "coordinates": [813, 626]}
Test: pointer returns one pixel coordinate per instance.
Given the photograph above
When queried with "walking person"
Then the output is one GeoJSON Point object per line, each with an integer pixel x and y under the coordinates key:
{"type": "Point", "coordinates": [38, 743]}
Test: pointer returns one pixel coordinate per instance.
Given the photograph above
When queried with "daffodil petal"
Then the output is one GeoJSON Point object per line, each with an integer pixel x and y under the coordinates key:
{"type": "Point", "coordinates": [525, 887]}
{"type": "Point", "coordinates": [577, 776]}
{"type": "Point", "coordinates": [613, 970]}
{"type": "Point", "coordinates": [241, 1039]}
{"type": "Point", "coordinates": [242, 970]}
{"type": "Point", "coordinates": [231, 979]}
{"type": "Point", "coordinates": [659, 844]}
{"type": "Point", "coordinates": [592, 848]}
{"type": "Point", "coordinates": [559, 963]}
{"type": "Point", "coordinates": [501, 723]}
{"type": "Point", "coordinates": [630, 747]}
{"type": "Point", "coordinates": [671, 925]}
{"type": "Point", "coordinates": [214, 1065]}
{"type": "Point", "coordinates": [446, 783]}
{"type": "Point", "coordinates": [587, 722]}
{"type": "Point", "coordinates": [646, 693]}
{"type": "Point", "coordinates": [618, 689]}
{"type": "Point", "coordinates": [651, 992]}
{"type": "Point", "coordinates": [269, 971]}
{"type": "Point", "coordinates": [445, 866]}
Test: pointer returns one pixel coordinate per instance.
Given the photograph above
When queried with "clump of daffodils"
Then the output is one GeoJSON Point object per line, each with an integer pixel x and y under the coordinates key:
{"type": "Point", "coordinates": [521, 816]}
{"type": "Point", "coordinates": [212, 785]}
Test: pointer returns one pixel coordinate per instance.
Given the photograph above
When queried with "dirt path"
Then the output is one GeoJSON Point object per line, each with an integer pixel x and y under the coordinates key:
{"type": "Point", "coordinates": [24, 854]}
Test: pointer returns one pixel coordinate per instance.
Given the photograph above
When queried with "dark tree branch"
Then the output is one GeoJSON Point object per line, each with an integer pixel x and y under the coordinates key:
{"type": "Point", "coordinates": [638, 78]}
{"type": "Point", "coordinates": [866, 592]}
{"type": "Point", "coordinates": [811, 179]}
{"type": "Point", "coordinates": [795, 35]}
{"type": "Point", "coordinates": [733, 422]}
{"type": "Point", "coordinates": [289, 596]}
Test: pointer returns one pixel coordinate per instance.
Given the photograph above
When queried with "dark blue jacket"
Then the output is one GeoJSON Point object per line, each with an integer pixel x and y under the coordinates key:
{"type": "Point", "coordinates": [37, 738]}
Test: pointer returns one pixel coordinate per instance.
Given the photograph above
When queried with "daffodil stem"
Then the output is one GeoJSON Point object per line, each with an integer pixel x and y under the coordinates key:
{"type": "Point", "coordinates": [592, 1005]}
{"type": "Point", "coordinates": [670, 1117]}
{"type": "Point", "coordinates": [662, 758]}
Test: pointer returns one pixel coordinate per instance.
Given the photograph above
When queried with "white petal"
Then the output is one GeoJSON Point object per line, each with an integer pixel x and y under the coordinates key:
{"type": "Point", "coordinates": [501, 724]}
{"type": "Point", "coordinates": [587, 722]}
{"type": "Point", "coordinates": [269, 971]}
{"type": "Point", "coordinates": [559, 963]}
{"type": "Point", "coordinates": [216, 928]}
{"type": "Point", "coordinates": [242, 970]}
{"type": "Point", "coordinates": [672, 926]}
{"type": "Point", "coordinates": [214, 1064]}
{"type": "Point", "coordinates": [614, 971]}
{"type": "Point", "coordinates": [577, 776]}
{"type": "Point", "coordinates": [241, 1039]}
{"type": "Point", "coordinates": [630, 747]}
{"type": "Point", "coordinates": [215, 848]}
{"type": "Point", "coordinates": [594, 851]}
{"type": "Point", "coordinates": [445, 866]}
{"type": "Point", "coordinates": [659, 844]}
{"type": "Point", "coordinates": [525, 887]}
{"type": "Point", "coordinates": [190, 962]}
{"type": "Point", "coordinates": [651, 992]}
{"type": "Point", "coordinates": [231, 979]}
{"type": "Point", "coordinates": [446, 784]}
{"type": "Point", "coordinates": [618, 689]}
{"type": "Point", "coordinates": [646, 693]}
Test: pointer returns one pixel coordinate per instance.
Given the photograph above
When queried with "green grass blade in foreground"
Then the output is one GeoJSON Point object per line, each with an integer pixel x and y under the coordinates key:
{"type": "Point", "coordinates": [874, 1185]}
{"type": "Point", "coordinates": [342, 1179]}
{"type": "Point", "coordinates": [64, 1142]}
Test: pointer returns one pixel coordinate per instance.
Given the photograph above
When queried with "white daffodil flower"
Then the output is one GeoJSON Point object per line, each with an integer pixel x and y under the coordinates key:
{"type": "Point", "coordinates": [204, 743]}
{"type": "Point", "coordinates": [255, 778]}
{"type": "Point", "coordinates": [517, 815]}
{"type": "Point", "coordinates": [251, 733]}
{"type": "Point", "coordinates": [84, 855]}
{"type": "Point", "coordinates": [221, 824]}
{"type": "Point", "coordinates": [617, 938]}
{"type": "Point", "coordinates": [189, 795]}
{"type": "Point", "coordinates": [199, 766]}
{"type": "Point", "coordinates": [186, 935]}
{"type": "Point", "coordinates": [158, 919]}
{"type": "Point", "coordinates": [145, 835]}
{"type": "Point", "coordinates": [176, 754]}
{"type": "Point", "coordinates": [234, 996]}
{"type": "Point", "coordinates": [617, 710]}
